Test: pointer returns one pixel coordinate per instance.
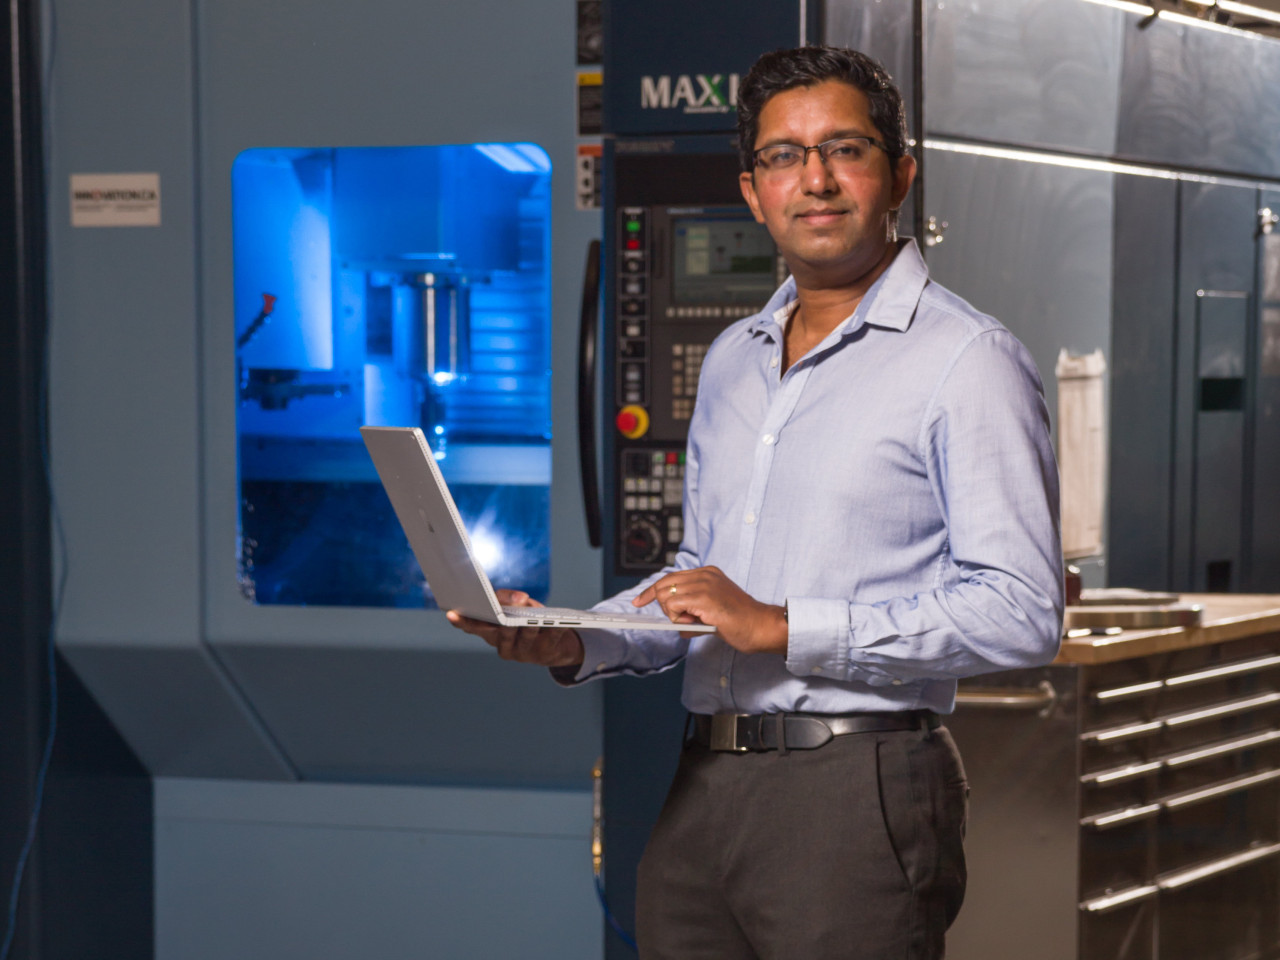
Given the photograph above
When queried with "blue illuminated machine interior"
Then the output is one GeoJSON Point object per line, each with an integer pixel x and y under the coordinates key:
{"type": "Point", "coordinates": [393, 286]}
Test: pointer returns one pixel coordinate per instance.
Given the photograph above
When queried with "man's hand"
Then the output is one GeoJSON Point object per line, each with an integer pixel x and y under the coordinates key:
{"type": "Point", "coordinates": [546, 646]}
{"type": "Point", "coordinates": [706, 595]}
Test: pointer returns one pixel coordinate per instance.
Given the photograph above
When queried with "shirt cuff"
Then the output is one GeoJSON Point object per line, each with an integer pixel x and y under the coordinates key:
{"type": "Point", "coordinates": [863, 633]}
{"type": "Point", "coordinates": [818, 637]}
{"type": "Point", "coordinates": [602, 654]}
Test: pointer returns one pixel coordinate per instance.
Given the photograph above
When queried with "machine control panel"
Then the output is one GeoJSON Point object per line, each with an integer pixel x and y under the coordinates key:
{"type": "Point", "coordinates": [633, 307]}
{"type": "Point", "coordinates": [682, 275]}
{"type": "Point", "coordinates": [651, 518]}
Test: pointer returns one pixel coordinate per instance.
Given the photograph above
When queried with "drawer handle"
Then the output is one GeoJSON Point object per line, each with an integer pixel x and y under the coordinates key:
{"type": "Point", "coordinates": [1119, 733]}
{"type": "Point", "coordinates": [1227, 670]}
{"type": "Point", "coordinates": [1200, 676]}
{"type": "Point", "coordinates": [1172, 881]}
{"type": "Point", "coordinates": [1100, 821]}
{"type": "Point", "coordinates": [1219, 789]}
{"type": "Point", "coordinates": [1177, 719]}
{"type": "Point", "coordinates": [1133, 690]}
{"type": "Point", "coordinates": [1104, 777]}
{"type": "Point", "coordinates": [1223, 709]}
{"type": "Point", "coordinates": [1112, 818]}
{"type": "Point", "coordinates": [1112, 900]}
{"type": "Point", "coordinates": [1218, 749]}
{"type": "Point", "coordinates": [1042, 698]}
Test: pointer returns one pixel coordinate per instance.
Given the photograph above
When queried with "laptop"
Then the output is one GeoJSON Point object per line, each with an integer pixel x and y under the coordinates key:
{"type": "Point", "coordinates": [430, 519]}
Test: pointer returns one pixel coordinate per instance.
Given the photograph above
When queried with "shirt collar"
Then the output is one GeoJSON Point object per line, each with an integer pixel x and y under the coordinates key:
{"type": "Point", "coordinates": [891, 302]}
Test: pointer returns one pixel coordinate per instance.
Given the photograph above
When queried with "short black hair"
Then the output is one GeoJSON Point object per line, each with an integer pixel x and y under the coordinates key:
{"type": "Point", "coordinates": [807, 66]}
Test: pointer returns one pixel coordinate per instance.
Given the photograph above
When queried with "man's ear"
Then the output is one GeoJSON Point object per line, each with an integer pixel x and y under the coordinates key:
{"type": "Point", "coordinates": [747, 184]}
{"type": "Point", "coordinates": [904, 174]}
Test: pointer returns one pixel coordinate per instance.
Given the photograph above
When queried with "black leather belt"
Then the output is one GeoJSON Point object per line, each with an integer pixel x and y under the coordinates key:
{"type": "Point", "coordinates": [745, 732]}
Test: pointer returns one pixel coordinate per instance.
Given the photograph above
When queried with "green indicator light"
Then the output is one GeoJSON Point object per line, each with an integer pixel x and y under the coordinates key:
{"type": "Point", "coordinates": [680, 458]}
{"type": "Point", "coordinates": [633, 226]}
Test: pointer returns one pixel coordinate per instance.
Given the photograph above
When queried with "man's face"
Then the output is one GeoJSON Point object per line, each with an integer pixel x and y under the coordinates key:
{"type": "Point", "coordinates": [830, 223]}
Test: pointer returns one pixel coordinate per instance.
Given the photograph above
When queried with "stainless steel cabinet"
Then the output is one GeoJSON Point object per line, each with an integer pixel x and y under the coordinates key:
{"type": "Point", "coordinates": [1125, 810]}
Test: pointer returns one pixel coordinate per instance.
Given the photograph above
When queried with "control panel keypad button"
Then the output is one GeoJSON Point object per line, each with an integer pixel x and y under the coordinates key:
{"type": "Point", "coordinates": [632, 306]}
{"type": "Point", "coordinates": [686, 366]}
{"type": "Point", "coordinates": [652, 524]}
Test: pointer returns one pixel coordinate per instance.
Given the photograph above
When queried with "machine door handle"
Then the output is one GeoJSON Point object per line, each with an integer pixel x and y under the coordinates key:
{"type": "Point", "coordinates": [588, 338]}
{"type": "Point", "coordinates": [1041, 698]}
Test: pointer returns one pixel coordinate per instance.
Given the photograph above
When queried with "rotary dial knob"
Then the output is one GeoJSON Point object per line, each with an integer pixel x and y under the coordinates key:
{"type": "Point", "coordinates": [644, 541]}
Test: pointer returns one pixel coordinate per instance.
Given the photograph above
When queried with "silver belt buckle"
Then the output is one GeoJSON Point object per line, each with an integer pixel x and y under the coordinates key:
{"type": "Point", "coordinates": [724, 732]}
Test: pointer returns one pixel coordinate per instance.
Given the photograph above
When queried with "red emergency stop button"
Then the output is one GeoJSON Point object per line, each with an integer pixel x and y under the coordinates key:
{"type": "Point", "coordinates": [632, 421]}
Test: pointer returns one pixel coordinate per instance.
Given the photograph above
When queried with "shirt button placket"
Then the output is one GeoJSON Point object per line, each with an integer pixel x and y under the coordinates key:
{"type": "Point", "coordinates": [762, 465]}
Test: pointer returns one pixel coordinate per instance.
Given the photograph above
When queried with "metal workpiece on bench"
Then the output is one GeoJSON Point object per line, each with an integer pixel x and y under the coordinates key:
{"type": "Point", "coordinates": [1152, 617]}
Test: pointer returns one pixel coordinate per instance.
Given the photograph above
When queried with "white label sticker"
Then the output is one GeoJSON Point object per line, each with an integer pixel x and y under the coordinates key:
{"type": "Point", "coordinates": [115, 199]}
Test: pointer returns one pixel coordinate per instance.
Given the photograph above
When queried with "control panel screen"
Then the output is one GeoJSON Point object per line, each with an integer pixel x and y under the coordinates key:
{"type": "Point", "coordinates": [721, 261]}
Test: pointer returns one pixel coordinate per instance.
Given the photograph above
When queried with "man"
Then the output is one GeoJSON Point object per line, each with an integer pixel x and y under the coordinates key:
{"type": "Point", "coordinates": [870, 513]}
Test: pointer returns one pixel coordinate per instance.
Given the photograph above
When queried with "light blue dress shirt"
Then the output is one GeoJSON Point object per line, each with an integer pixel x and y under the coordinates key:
{"type": "Point", "coordinates": [896, 488]}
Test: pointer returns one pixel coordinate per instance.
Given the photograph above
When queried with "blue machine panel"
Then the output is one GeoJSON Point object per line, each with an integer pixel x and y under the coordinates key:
{"type": "Point", "coordinates": [674, 67]}
{"type": "Point", "coordinates": [398, 286]}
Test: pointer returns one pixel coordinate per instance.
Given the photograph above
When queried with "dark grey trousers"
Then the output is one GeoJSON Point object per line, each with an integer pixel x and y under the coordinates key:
{"type": "Point", "coordinates": [851, 851]}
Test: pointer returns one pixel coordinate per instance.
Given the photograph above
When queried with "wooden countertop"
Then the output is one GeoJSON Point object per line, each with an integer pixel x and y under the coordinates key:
{"type": "Point", "coordinates": [1227, 616]}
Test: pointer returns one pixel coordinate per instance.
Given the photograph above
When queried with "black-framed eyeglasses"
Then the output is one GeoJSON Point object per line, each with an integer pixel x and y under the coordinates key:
{"type": "Point", "coordinates": [845, 153]}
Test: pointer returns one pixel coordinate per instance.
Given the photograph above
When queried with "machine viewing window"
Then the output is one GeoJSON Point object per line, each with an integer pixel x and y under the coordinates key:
{"type": "Point", "coordinates": [723, 261]}
{"type": "Point", "coordinates": [391, 286]}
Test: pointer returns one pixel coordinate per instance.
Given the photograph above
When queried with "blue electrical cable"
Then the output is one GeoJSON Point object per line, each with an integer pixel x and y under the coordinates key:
{"type": "Point", "coordinates": [597, 853]}
{"type": "Point", "coordinates": [608, 915]}
{"type": "Point", "coordinates": [51, 664]}
{"type": "Point", "coordinates": [34, 821]}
